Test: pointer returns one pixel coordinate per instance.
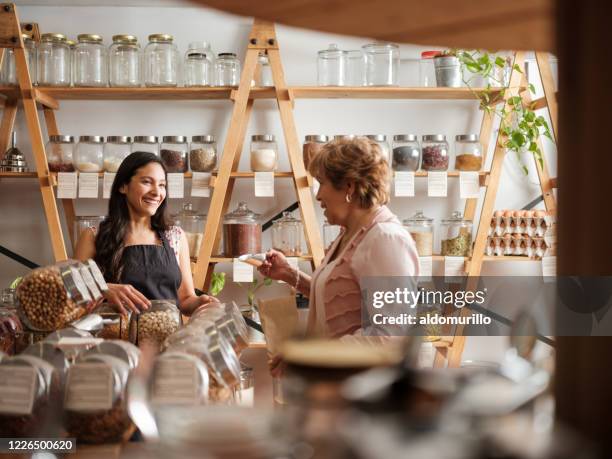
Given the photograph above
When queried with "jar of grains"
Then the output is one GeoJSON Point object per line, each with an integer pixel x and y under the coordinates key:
{"type": "Point", "coordinates": [406, 152]}
{"type": "Point", "coordinates": [468, 152]}
{"type": "Point", "coordinates": [203, 153]}
{"type": "Point", "coordinates": [173, 153]}
{"type": "Point", "coordinates": [420, 228]}
{"type": "Point", "coordinates": [241, 232]}
{"type": "Point", "coordinates": [89, 154]}
{"type": "Point", "coordinates": [456, 236]}
{"type": "Point", "coordinates": [435, 153]}
{"type": "Point", "coordinates": [264, 153]}
{"type": "Point", "coordinates": [313, 145]}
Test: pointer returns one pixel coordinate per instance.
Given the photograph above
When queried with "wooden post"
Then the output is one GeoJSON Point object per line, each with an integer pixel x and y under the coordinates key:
{"type": "Point", "coordinates": [7, 125]}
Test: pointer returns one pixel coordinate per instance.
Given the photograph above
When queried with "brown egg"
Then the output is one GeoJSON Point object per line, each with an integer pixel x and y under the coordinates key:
{"type": "Point", "coordinates": [507, 236]}
{"type": "Point", "coordinates": [529, 213]}
{"type": "Point", "coordinates": [498, 213]}
{"type": "Point", "coordinates": [539, 214]}
{"type": "Point", "coordinates": [508, 213]}
{"type": "Point", "coordinates": [516, 213]}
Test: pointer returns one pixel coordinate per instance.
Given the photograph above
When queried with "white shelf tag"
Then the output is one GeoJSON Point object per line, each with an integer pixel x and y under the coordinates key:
{"type": "Point", "coordinates": [264, 184]}
{"type": "Point", "coordinates": [469, 185]}
{"type": "Point", "coordinates": [67, 185]}
{"type": "Point", "coordinates": [176, 186]}
{"type": "Point", "coordinates": [404, 183]}
{"type": "Point", "coordinates": [88, 185]}
{"type": "Point", "coordinates": [437, 184]}
{"type": "Point", "coordinates": [242, 272]}
{"type": "Point", "coordinates": [200, 184]}
{"type": "Point", "coordinates": [454, 267]}
{"type": "Point", "coordinates": [107, 184]}
{"type": "Point", "coordinates": [426, 268]}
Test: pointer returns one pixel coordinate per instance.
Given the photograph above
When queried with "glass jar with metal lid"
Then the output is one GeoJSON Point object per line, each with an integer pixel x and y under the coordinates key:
{"type": "Point", "coordinates": [90, 61]}
{"type": "Point", "coordinates": [156, 323]}
{"type": "Point", "coordinates": [420, 228]}
{"type": "Point", "coordinates": [381, 64]}
{"type": "Point", "coordinates": [435, 153]}
{"type": "Point", "coordinates": [313, 145]}
{"type": "Point", "coordinates": [8, 73]}
{"type": "Point", "coordinates": [203, 153]}
{"type": "Point", "coordinates": [72, 45]}
{"type": "Point", "coordinates": [241, 232]}
{"type": "Point", "coordinates": [84, 222]}
{"type": "Point", "coordinates": [287, 235]}
{"type": "Point", "coordinates": [199, 66]}
{"type": "Point", "coordinates": [345, 137]}
{"type": "Point", "coordinates": [89, 153]}
{"type": "Point", "coordinates": [149, 143]}
{"type": "Point", "coordinates": [53, 60]}
{"type": "Point", "coordinates": [116, 149]}
{"type": "Point", "coordinates": [406, 153]}
{"type": "Point", "coordinates": [124, 62]}
{"type": "Point", "coordinates": [264, 153]}
{"type": "Point", "coordinates": [456, 236]}
{"type": "Point", "coordinates": [381, 141]}
{"type": "Point", "coordinates": [174, 153]}
{"type": "Point", "coordinates": [468, 152]}
{"type": "Point", "coordinates": [331, 66]}
{"type": "Point", "coordinates": [192, 223]}
{"type": "Point", "coordinates": [227, 68]}
{"type": "Point", "coordinates": [161, 61]}
{"type": "Point", "coordinates": [60, 152]}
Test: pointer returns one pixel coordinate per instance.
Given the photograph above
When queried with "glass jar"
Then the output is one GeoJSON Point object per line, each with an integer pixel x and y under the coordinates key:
{"type": "Point", "coordinates": [435, 153]}
{"type": "Point", "coordinates": [124, 62]}
{"type": "Point", "coordinates": [241, 232]}
{"type": "Point", "coordinates": [468, 152]}
{"type": "Point", "coordinates": [72, 45]}
{"type": "Point", "coordinates": [192, 223]}
{"type": "Point", "coordinates": [420, 228]}
{"type": "Point", "coordinates": [265, 72]}
{"type": "Point", "coordinates": [331, 66]}
{"type": "Point", "coordinates": [448, 71]}
{"type": "Point", "coordinates": [427, 70]}
{"type": "Point", "coordinates": [123, 350]}
{"type": "Point", "coordinates": [155, 324]}
{"type": "Point", "coordinates": [8, 73]}
{"type": "Point", "coordinates": [287, 235]}
{"type": "Point", "coordinates": [89, 154]}
{"type": "Point", "coordinates": [264, 153]}
{"type": "Point", "coordinates": [84, 222]}
{"type": "Point", "coordinates": [313, 144]}
{"type": "Point", "coordinates": [330, 234]}
{"type": "Point", "coordinates": [406, 153]}
{"type": "Point", "coordinates": [116, 149]}
{"type": "Point", "coordinates": [148, 143]}
{"type": "Point", "coordinates": [381, 64]}
{"type": "Point", "coordinates": [53, 61]}
{"type": "Point", "coordinates": [10, 329]}
{"type": "Point", "coordinates": [199, 66]}
{"type": "Point", "coordinates": [245, 395]}
{"type": "Point", "coordinates": [173, 153]}
{"type": "Point", "coordinates": [227, 68]}
{"type": "Point", "coordinates": [381, 141]}
{"type": "Point", "coordinates": [456, 236]}
{"type": "Point", "coordinates": [161, 61]}
{"type": "Point", "coordinates": [203, 153]}
{"type": "Point", "coordinates": [116, 325]}
{"type": "Point", "coordinates": [90, 61]}
{"type": "Point", "coordinates": [355, 75]}
{"type": "Point", "coordinates": [178, 379]}
{"type": "Point", "coordinates": [60, 152]}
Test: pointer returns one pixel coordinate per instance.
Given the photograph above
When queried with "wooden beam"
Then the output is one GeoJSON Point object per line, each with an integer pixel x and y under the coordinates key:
{"type": "Point", "coordinates": [7, 125]}
{"type": "Point", "coordinates": [546, 75]}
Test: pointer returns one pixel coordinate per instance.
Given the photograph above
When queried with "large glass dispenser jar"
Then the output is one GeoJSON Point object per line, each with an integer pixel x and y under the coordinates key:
{"type": "Point", "coordinates": [456, 236]}
{"type": "Point", "coordinates": [435, 153]}
{"type": "Point", "coordinates": [227, 68]}
{"type": "Point", "coordinates": [203, 153]}
{"type": "Point", "coordinates": [116, 149]}
{"type": "Point", "coordinates": [8, 73]}
{"type": "Point", "coordinates": [381, 141]}
{"type": "Point", "coordinates": [89, 154]}
{"type": "Point", "coordinates": [287, 235]}
{"type": "Point", "coordinates": [331, 66]}
{"type": "Point", "coordinates": [406, 153]}
{"type": "Point", "coordinates": [173, 153]}
{"type": "Point", "coordinates": [161, 61]}
{"type": "Point", "coordinates": [90, 61]}
{"type": "Point", "coordinates": [381, 64]}
{"type": "Point", "coordinates": [192, 223]}
{"type": "Point", "coordinates": [420, 228]}
{"type": "Point", "coordinates": [241, 232]}
{"type": "Point", "coordinates": [264, 153]}
{"type": "Point", "coordinates": [53, 60]}
{"type": "Point", "coordinates": [148, 143]}
{"type": "Point", "coordinates": [199, 67]}
{"type": "Point", "coordinates": [60, 153]}
{"type": "Point", "coordinates": [468, 152]}
{"type": "Point", "coordinates": [124, 62]}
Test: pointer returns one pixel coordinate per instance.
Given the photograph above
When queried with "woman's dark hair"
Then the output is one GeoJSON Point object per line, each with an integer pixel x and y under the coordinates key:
{"type": "Point", "coordinates": [111, 234]}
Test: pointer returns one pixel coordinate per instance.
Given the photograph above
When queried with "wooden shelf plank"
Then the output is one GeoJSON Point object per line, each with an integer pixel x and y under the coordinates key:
{"type": "Point", "coordinates": [417, 93]}
{"type": "Point", "coordinates": [137, 93]}
{"type": "Point", "coordinates": [508, 258]}
{"type": "Point", "coordinates": [18, 175]}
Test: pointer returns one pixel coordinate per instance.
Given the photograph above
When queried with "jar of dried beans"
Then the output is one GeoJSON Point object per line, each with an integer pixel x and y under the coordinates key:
{"type": "Point", "coordinates": [241, 232]}
{"type": "Point", "coordinates": [420, 228]}
{"type": "Point", "coordinates": [173, 153]}
{"type": "Point", "coordinates": [468, 152]}
{"type": "Point", "coordinates": [435, 153]}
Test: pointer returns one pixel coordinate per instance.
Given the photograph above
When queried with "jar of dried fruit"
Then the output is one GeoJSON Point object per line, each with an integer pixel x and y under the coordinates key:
{"type": "Point", "coordinates": [435, 153]}
{"type": "Point", "coordinates": [420, 228]}
{"type": "Point", "coordinates": [456, 236]}
{"type": "Point", "coordinates": [174, 153]}
{"type": "Point", "coordinates": [468, 152]}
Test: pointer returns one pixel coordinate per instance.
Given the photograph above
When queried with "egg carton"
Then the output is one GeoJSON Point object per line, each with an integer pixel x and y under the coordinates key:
{"type": "Point", "coordinates": [520, 222]}
{"type": "Point", "coordinates": [519, 245]}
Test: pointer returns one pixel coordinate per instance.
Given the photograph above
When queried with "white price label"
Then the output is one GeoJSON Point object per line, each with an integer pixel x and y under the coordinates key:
{"type": "Point", "coordinates": [200, 184]}
{"type": "Point", "coordinates": [175, 382]}
{"type": "Point", "coordinates": [107, 184]}
{"type": "Point", "coordinates": [67, 185]}
{"type": "Point", "coordinates": [88, 185]}
{"type": "Point", "coordinates": [437, 184]}
{"type": "Point", "coordinates": [425, 268]}
{"type": "Point", "coordinates": [404, 183]}
{"type": "Point", "coordinates": [91, 283]}
{"type": "Point", "coordinates": [176, 186]}
{"type": "Point", "coordinates": [17, 385]}
{"type": "Point", "coordinates": [549, 266]}
{"type": "Point", "coordinates": [454, 267]}
{"type": "Point", "coordinates": [469, 185]}
{"type": "Point", "coordinates": [242, 272]}
{"type": "Point", "coordinates": [89, 387]}
{"type": "Point", "coordinates": [264, 184]}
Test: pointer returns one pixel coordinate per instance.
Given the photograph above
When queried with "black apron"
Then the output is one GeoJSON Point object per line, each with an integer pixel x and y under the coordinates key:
{"type": "Point", "coordinates": [152, 270]}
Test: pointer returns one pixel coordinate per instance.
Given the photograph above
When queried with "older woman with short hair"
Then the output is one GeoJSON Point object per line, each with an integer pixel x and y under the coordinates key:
{"type": "Point", "coordinates": [354, 187]}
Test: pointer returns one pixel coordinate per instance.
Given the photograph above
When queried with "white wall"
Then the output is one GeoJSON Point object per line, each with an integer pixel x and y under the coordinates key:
{"type": "Point", "coordinates": [24, 230]}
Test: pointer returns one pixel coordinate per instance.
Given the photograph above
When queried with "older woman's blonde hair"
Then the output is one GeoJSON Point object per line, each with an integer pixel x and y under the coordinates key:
{"type": "Point", "coordinates": [359, 161]}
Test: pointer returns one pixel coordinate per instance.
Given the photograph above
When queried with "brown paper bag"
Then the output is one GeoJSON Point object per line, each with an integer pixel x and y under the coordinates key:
{"type": "Point", "coordinates": [279, 319]}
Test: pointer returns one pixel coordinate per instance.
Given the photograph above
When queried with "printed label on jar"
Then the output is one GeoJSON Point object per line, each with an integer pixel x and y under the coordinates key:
{"type": "Point", "coordinates": [175, 382]}
{"type": "Point", "coordinates": [89, 387]}
{"type": "Point", "coordinates": [91, 284]}
{"type": "Point", "coordinates": [17, 385]}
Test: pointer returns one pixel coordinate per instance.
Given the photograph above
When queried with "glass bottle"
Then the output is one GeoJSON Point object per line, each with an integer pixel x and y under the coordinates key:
{"type": "Point", "coordinates": [227, 69]}
{"type": "Point", "coordinates": [468, 152]}
{"type": "Point", "coordinates": [60, 153]}
{"type": "Point", "coordinates": [90, 61]}
{"type": "Point", "coordinates": [199, 65]}
{"type": "Point", "coordinates": [264, 153]}
{"type": "Point", "coordinates": [420, 228]}
{"type": "Point", "coordinates": [148, 143]}
{"type": "Point", "coordinates": [124, 62]}
{"type": "Point", "coordinates": [265, 72]}
{"type": "Point", "coordinates": [173, 153]}
{"type": "Point", "coordinates": [89, 153]}
{"type": "Point", "coordinates": [241, 232]}
{"type": "Point", "coordinates": [435, 153]}
{"type": "Point", "coordinates": [381, 64]}
{"type": "Point", "coordinates": [456, 236]}
{"type": "Point", "coordinates": [192, 223]}
{"type": "Point", "coordinates": [331, 66]}
{"type": "Point", "coordinates": [406, 153]}
{"type": "Point", "coordinates": [203, 153]}
{"type": "Point", "coordinates": [330, 234]}
{"type": "Point", "coordinates": [53, 61]}
{"type": "Point", "coordinates": [287, 235]}
{"type": "Point", "coordinates": [161, 61]}
{"type": "Point", "coordinates": [116, 149]}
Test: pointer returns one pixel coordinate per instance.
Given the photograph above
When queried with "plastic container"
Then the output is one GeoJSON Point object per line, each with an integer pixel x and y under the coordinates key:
{"type": "Point", "coordinates": [84, 222]}
{"type": "Point", "coordinates": [331, 66]}
{"type": "Point", "coordinates": [427, 70]}
{"type": "Point", "coordinates": [381, 141]}
{"type": "Point", "coordinates": [148, 143]}
{"type": "Point", "coordinates": [174, 152]}
{"type": "Point", "coordinates": [421, 229]}
{"type": "Point", "coordinates": [192, 223]}
{"type": "Point", "coordinates": [448, 71]}
{"type": "Point", "coordinates": [178, 379]}
{"type": "Point", "coordinates": [468, 153]}
{"type": "Point", "coordinates": [90, 61]}
{"type": "Point", "coordinates": [241, 232]}
{"type": "Point", "coordinates": [406, 153]}
{"type": "Point", "coordinates": [456, 236]}
{"type": "Point", "coordinates": [116, 149]}
{"type": "Point", "coordinates": [355, 68]}
{"type": "Point", "coordinates": [155, 324]}
{"type": "Point", "coordinates": [60, 153]}
{"type": "Point", "coordinates": [161, 61]}
{"type": "Point", "coordinates": [89, 154]}
{"type": "Point", "coordinates": [264, 153]}
{"type": "Point", "coordinates": [124, 62]}
{"type": "Point", "coordinates": [53, 61]}
{"type": "Point", "coordinates": [227, 69]}
{"type": "Point", "coordinates": [313, 144]}
{"type": "Point", "coordinates": [381, 64]}
{"type": "Point", "coordinates": [435, 153]}
{"type": "Point", "coordinates": [199, 65]}
{"type": "Point", "coordinates": [203, 153]}
{"type": "Point", "coordinates": [287, 235]}
{"type": "Point", "coordinates": [8, 73]}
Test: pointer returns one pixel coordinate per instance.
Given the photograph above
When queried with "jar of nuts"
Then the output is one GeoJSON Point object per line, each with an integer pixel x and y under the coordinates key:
{"type": "Point", "coordinates": [116, 325]}
{"type": "Point", "coordinates": [155, 324]}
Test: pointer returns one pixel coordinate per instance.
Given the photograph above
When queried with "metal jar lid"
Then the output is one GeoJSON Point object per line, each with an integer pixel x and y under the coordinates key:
{"type": "Point", "coordinates": [71, 43]}
{"type": "Point", "coordinates": [377, 137]}
{"type": "Point", "coordinates": [89, 38]}
{"type": "Point", "coordinates": [317, 138]}
{"type": "Point", "coordinates": [53, 37]}
{"type": "Point", "coordinates": [203, 139]}
{"type": "Point", "coordinates": [125, 39]}
{"type": "Point", "coordinates": [287, 219]}
{"type": "Point", "coordinates": [174, 139]}
{"type": "Point", "coordinates": [188, 212]}
{"type": "Point", "coordinates": [161, 38]}
{"type": "Point", "coordinates": [434, 138]}
{"type": "Point", "coordinates": [61, 138]}
{"type": "Point", "coordinates": [405, 138]}
{"type": "Point", "coordinates": [91, 139]}
{"type": "Point", "coordinates": [263, 138]}
{"type": "Point", "coordinates": [146, 139]}
{"type": "Point", "coordinates": [467, 138]}
{"type": "Point", "coordinates": [118, 139]}
{"type": "Point", "coordinates": [345, 136]}
{"type": "Point", "coordinates": [26, 37]}
{"type": "Point", "coordinates": [227, 55]}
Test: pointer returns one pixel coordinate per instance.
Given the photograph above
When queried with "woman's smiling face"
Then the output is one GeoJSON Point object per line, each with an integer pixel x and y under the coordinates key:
{"type": "Point", "coordinates": [146, 190]}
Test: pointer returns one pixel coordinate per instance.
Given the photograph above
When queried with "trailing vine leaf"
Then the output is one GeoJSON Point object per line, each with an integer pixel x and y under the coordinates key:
{"type": "Point", "coordinates": [217, 283]}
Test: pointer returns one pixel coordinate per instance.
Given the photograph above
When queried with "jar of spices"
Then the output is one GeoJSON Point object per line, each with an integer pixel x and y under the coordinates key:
{"type": "Point", "coordinates": [313, 145]}
{"type": "Point", "coordinates": [203, 153]}
{"type": "Point", "coordinates": [148, 143]}
{"type": "Point", "coordinates": [161, 61]}
{"type": "Point", "coordinates": [60, 151]}
{"type": "Point", "coordinates": [192, 223]}
{"type": "Point", "coordinates": [199, 65]}
{"type": "Point", "coordinates": [124, 62]}
{"type": "Point", "coordinates": [468, 153]}
{"type": "Point", "coordinates": [84, 222]}
{"type": "Point", "coordinates": [287, 235]}
{"type": "Point", "coordinates": [420, 228]}
{"type": "Point", "coordinates": [90, 61]}
{"type": "Point", "coordinates": [456, 236]}
{"type": "Point", "coordinates": [381, 141]}
{"type": "Point", "coordinates": [331, 66]}
{"type": "Point", "coordinates": [116, 149]}
{"type": "Point", "coordinates": [381, 64]}
{"type": "Point", "coordinates": [435, 153]}
{"type": "Point", "coordinates": [406, 153]}
{"type": "Point", "coordinates": [8, 73]}
{"type": "Point", "coordinates": [427, 70]}
{"type": "Point", "coordinates": [89, 153]}
{"type": "Point", "coordinates": [53, 60]}
{"type": "Point", "coordinates": [264, 153]}
{"type": "Point", "coordinates": [241, 232]}
{"type": "Point", "coordinates": [174, 153]}
{"type": "Point", "coordinates": [227, 69]}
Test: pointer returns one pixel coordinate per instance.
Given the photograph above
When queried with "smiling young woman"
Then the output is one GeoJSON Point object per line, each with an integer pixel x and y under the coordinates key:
{"type": "Point", "coordinates": [142, 257]}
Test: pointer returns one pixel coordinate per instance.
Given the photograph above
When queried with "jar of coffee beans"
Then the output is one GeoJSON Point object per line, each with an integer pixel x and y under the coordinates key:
{"type": "Point", "coordinates": [173, 153]}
